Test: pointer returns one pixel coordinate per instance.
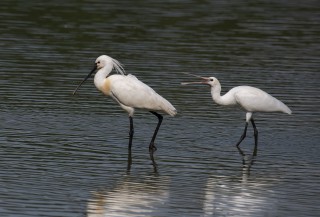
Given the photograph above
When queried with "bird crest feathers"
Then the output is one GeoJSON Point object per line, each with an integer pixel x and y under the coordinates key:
{"type": "Point", "coordinates": [118, 67]}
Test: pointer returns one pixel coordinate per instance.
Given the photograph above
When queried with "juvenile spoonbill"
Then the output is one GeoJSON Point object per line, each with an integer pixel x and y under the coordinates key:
{"type": "Point", "coordinates": [250, 99]}
{"type": "Point", "coordinates": [129, 93]}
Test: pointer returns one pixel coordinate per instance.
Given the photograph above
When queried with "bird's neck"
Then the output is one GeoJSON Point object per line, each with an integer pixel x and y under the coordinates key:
{"type": "Point", "coordinates": [100, 76]}
{"type": "Point", "coordinates": [215, 93]}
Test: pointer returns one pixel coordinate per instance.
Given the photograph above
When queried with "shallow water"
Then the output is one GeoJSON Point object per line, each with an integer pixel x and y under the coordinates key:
{"type": "Point", "coordinates": [64, 155]}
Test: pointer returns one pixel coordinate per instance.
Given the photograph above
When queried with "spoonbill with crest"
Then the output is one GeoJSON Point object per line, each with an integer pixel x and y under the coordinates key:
{"type": "Point", "coordinates": [250, 99]}
{"type": "Point", "coordinates": [129, 93]}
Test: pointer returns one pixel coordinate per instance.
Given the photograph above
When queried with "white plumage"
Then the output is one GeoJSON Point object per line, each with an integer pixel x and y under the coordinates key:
{"type": "Point", "coordinates": [250, 99]}
{"type": "Point", "coordinates": [128, 92]}
{"type": "Point", "coordinates": [131, 93]}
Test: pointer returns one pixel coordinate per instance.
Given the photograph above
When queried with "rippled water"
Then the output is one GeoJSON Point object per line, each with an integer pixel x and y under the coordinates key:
{"type": "Point", "coordinates": [64, 155]}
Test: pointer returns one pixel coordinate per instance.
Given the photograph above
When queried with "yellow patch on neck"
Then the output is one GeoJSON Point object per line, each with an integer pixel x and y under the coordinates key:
{"type": "Point", "coordinates": [106, 88]}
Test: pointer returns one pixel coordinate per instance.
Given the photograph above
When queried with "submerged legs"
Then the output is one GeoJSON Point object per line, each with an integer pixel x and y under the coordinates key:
{"type": "Point", "coordinates": [255, 132]}
{"type": "Point", "coordinates": [129, 161]}
{"type": "Point", "coordinates": [152, 147]}
{"type": "Point", "coordinates": [131, 132]}
{"type": "Point", "coordinates": [245, 133]}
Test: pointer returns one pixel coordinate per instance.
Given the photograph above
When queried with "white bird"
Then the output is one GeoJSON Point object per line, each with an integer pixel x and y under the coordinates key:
{"type": "Point", "coordinates": [250, 99]}
{"type": "Point", "coordinates": [128, 92]}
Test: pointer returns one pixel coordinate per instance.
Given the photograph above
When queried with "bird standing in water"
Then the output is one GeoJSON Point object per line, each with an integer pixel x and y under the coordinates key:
{"type": "Point", "coordinates": [250, 99]}
{"type": "Point", "coordinates": [129, 93]}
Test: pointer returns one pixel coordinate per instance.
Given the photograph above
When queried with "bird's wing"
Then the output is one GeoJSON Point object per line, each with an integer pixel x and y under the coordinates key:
{"type": "Point", "coordinates": [256, 100]}
{"type": "Point", "coordinates": [252, 99]}
{"type": "Point", "coordinates": [130, 91]}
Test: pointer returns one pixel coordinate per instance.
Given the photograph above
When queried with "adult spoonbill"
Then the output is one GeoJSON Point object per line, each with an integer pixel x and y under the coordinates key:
{"type": "Point", "coordinates": [129, 93]}
{"type": "Point", "coordinates": [251, 99]}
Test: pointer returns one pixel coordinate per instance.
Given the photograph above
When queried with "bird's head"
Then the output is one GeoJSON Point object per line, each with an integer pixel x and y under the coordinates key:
{"type": "Point", "coordinates": [101, 62]}
{"type": "Point", "coordinates": [105, 61]}
{"type": "Point", "coordinates": [211, 81]}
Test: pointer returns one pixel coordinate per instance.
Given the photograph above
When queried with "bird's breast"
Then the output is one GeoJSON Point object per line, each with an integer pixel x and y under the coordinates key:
{"type": "Point", "coordinates": [106, 87]}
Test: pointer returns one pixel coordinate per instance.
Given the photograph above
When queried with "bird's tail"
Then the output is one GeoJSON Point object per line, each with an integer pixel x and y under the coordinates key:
{"type": "Point", "coordinates": [288, 110]}
{"type": "Point", "coordinates": [285, 108]}
{"type": "Point", "coordinates": [168, 107]}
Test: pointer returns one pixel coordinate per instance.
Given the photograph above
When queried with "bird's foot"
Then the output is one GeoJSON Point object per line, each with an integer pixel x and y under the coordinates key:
{"type": "Point", "coordinates": [152, 147]}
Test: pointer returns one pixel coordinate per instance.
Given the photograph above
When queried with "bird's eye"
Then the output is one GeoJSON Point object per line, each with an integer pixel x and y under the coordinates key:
{"type": "Point", "coordinates": [98, 62]}
{"type": "Point", "coordinates": [211, 79]}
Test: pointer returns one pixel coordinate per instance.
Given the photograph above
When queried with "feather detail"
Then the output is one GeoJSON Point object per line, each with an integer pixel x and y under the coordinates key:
{"type": "Point", "coordinates": [118, 67]}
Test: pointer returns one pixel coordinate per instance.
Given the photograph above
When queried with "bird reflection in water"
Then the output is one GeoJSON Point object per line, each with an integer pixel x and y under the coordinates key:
{"type": "Point", "coordinates": [247, 160]}
{"type": "Point", "coordinates": [132, 195]}
{"type": "Point", "coordinates": [129, 161]}
{"type": "Point", "coordinates": [227, 195]}
{"type": "Point", "coordinates": [153, 162]}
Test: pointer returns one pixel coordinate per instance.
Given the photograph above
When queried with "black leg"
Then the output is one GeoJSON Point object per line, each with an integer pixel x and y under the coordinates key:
{"type": "Point", "coordinates": [131, 132]}
{"type": "Point", "coordinates": [243, 135]}
{"type": "Point", "coordinates": [152, 147]}
{"type": "Point", "coordinates": [129, 161]}
{"type": "Point", "coordinates": [154, 164]}
{"type": "Point", "coordinates": [255, 132]}
{"type": "Point", "coordinates": [255, 151]}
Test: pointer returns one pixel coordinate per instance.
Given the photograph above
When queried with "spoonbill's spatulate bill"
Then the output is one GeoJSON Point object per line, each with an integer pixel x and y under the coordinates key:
{"type": "Point", "coordinates": [129, 93]}
{"type": "Point", "coordinates": [250, 99]}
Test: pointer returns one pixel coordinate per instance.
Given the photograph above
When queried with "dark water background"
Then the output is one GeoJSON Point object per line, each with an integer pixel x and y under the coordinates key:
{"type": "Point", "coordinates": [67, 156]}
